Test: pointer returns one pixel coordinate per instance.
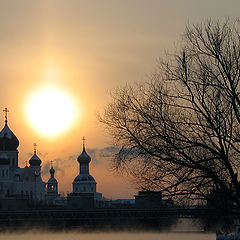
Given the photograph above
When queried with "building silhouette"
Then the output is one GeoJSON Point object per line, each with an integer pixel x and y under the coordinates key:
{"type": "Point", "coordinates": [24, 187]}
{"type": "Point", "coordinates": [52, 196]}
{"type": "Point", "coordinates": [18, 184]}
{"type": "Point", "coordinates": [84, 194]}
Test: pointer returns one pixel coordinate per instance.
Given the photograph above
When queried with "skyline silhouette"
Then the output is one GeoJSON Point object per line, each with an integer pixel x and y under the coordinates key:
{"type": "Point", "coordinates": [86, 49]}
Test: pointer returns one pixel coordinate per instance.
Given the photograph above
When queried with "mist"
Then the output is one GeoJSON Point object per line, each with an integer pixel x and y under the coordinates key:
{"type": "Point", "coordinates": [37, 235]}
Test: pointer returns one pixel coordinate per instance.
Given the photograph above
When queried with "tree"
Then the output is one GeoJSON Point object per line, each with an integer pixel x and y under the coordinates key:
{"type": "Point", "coordinates": [179, 132]}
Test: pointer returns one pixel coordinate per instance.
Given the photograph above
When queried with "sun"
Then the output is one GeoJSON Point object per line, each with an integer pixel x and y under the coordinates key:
{"type": "Point", "coordinates": [51, 111]}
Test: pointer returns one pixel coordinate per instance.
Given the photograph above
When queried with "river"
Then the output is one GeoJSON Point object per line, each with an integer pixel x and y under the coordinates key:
{"type": "Point", "coordinates": [37, 235]}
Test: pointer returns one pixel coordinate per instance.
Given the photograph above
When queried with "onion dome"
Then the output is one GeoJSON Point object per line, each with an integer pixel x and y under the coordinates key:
{"type": "Point", "coordinates": [84, 157]}
{"type": "Point", "coordinates": [8, 141]}
{"type": "Point", "coordinates": [35, 160]}
{"type": "Point", "coordinates": [52, 171]}
{"type": "Point", "coordinates": [4, 160]}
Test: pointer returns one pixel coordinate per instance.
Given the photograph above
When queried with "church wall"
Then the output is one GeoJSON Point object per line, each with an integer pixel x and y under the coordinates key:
{"type": "Point", "coordinates": [14, 204]}
{"type": "Point", "coordinates": [4, 188]}
{"type": "Point", "coordinates": [37, 171]}
{"type": "Point", "coordinates": [80, 201]}
{"type": "Point", "coordinates": [4, 172]}
{"type": "Point", "coordinates": [35, 190]}
{"type": "Point", "coordinates": [88, 187]}
{"type": "Point", "coordinates": [52, 188]}
{"type": "Point", "coordinates": [13, 157]}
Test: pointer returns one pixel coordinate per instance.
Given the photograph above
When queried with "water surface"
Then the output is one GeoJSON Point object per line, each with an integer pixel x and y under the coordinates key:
{"type": "Point", "coordinates": [36, 235]}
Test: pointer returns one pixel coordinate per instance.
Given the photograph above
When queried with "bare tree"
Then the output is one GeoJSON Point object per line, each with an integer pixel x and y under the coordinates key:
{"type": "Point", "coordinates": [179, 132]}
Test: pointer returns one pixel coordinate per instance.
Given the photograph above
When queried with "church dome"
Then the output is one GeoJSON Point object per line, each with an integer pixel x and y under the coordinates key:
{"type": "Point", "coordinates": [4, 160]}
{"type": "Point", "coordinates": [84, 157]}
{"type": "Point", "coordinates": [35, 160]}
{"type": "Point", "coordinates": [8, 141]}
{"type": "Point", "coordinates": [52, 171]}
{"type": "Point", "coordinates": [84, 178]}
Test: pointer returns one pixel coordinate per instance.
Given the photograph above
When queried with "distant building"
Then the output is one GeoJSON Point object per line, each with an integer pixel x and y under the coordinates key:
{"type": "Point", "coordinates": [119, 203]}
{"type": "Point", "coordinates": [148, 199]}
{"type": "Point", "coordinates": [84, 193]}
{"type": "Point", "coordinates": [219, 198]}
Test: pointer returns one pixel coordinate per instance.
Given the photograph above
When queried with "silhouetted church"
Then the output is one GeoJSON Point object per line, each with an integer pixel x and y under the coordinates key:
{"type": "Point", "coordinates": [24, 187]}
{"type": "Point", "coordinates": [18, 183]}
{"type": "Point", "coordinates": [84, 193]}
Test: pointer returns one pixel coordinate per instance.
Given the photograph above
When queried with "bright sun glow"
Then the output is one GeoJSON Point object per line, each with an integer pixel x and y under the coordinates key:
{"type": "Point", "coordinates": [51, 111]}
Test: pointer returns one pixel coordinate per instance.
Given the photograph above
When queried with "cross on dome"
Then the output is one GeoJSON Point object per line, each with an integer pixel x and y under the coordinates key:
{"type": "Point", "coordinates": [52, 171]}
{"type": "Point", "coordinates": [84, 141]}
{"type": "Point", "coordinates": [35, 160]}
{"type": "Point", "coordinates": [84, 157]}
{"type": "Point", "coordinates": [8, 141]}
{"type": "Point", "coordinates": [6, 112]}
{"type": "Point", "coordinates": [35, 148]}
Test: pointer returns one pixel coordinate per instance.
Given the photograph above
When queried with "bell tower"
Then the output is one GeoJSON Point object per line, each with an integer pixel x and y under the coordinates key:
{"type": "Point", "coordinates": [52, 184]}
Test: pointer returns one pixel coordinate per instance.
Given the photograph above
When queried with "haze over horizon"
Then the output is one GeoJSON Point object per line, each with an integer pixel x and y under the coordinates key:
{"type": "Point", "coordinates": [85, 49]}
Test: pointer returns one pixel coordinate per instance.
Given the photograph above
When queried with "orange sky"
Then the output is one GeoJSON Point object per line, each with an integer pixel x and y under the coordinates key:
{"type": "Point", "coordinates": [85, 48]}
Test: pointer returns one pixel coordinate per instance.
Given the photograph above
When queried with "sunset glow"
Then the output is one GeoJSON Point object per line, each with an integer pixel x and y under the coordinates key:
{"type": "Point", "coordinates": [51, 111]}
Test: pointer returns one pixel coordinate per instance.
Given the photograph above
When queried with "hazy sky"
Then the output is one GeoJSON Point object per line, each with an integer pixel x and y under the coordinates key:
{"type": "Point", "coordinates": [86, 48]}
